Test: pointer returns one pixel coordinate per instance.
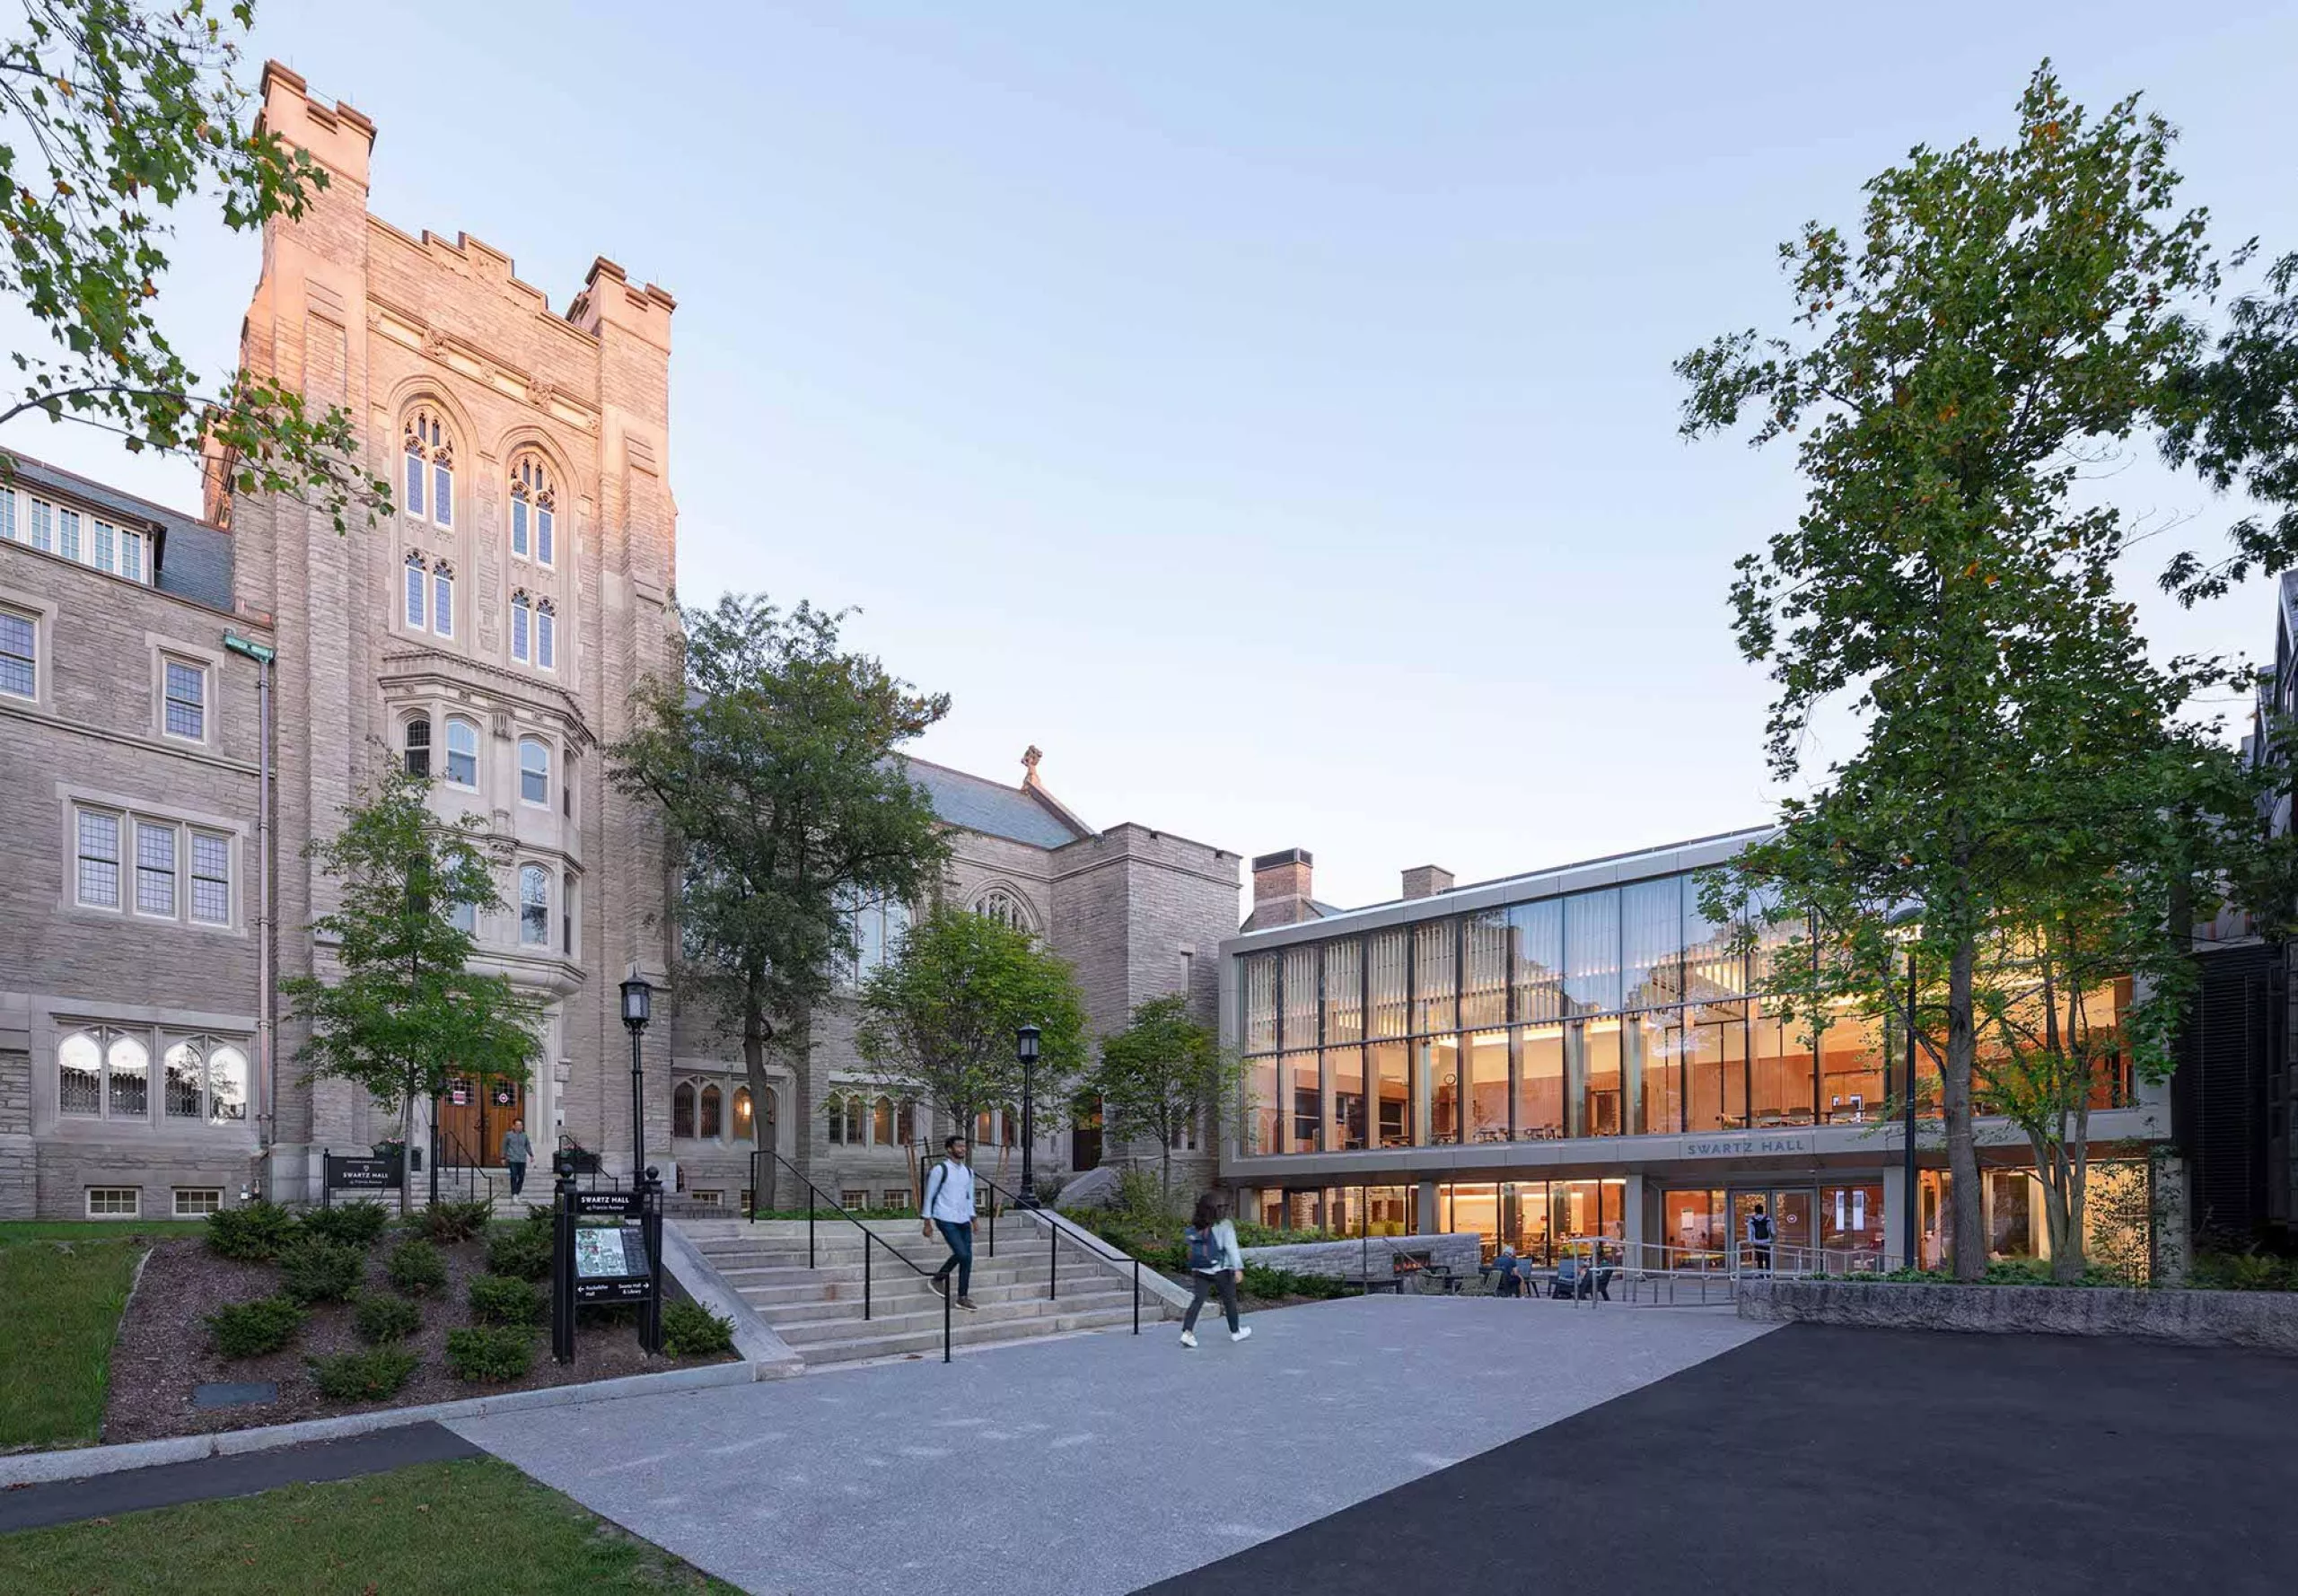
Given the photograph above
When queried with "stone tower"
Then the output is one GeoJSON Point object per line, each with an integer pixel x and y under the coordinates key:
{"type": "Point", "coordinates": [489, 629]}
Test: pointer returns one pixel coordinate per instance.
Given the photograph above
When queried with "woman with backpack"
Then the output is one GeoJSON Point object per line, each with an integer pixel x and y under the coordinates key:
{"type": "Point", "coordinates": [1214, 1261]}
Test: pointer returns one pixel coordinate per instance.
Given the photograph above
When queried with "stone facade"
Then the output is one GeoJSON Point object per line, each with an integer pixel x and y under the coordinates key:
{"type": "Point", "coordinates": [156, 950]}
{"type": "Point", "coordinates": [490, 628]}
{"type": "Point", "coordinates": [1137, 913]}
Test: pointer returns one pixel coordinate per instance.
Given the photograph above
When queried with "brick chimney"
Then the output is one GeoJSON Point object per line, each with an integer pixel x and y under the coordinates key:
{"type": "Point", "coordinates": [1281, 890]}
{"type": "Point", "coordinates": [1425, 881]}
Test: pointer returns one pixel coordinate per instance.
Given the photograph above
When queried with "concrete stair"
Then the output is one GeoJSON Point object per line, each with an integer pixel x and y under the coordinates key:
{"type": "Point", "coordinates": [818, 1310]}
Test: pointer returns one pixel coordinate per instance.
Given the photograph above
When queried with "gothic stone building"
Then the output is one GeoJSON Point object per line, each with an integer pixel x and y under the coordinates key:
{"type": "Point", "coordinates": [487, 633]}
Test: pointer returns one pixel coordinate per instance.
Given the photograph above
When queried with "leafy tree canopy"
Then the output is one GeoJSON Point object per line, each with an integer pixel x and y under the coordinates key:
{"type": "Point", "coordinates": [112, 113]}
{"type": "Point", "coordinates": [941, 1014]}
{"type": "Point", "coordinates": [1165, 1072]}
{"type": "Point", "coordinates": [2000, 316]}
{"type": "Point", "coordinates": [404, 1011]}
{"type": "Point", "coordinates": [773, 752]}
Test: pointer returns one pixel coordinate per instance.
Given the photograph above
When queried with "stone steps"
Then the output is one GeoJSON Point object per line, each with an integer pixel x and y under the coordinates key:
{"type": "Point", "coordinates": [966, 1329]}
{"type": "Point", "coordinates": [818, 1310]}
{"type": "Point", "coordinates": [1027, 1311]}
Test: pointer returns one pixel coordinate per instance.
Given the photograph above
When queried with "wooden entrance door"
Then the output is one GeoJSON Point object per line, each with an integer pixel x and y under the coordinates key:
{"type": "Point", "coordinates": [474, 1115]}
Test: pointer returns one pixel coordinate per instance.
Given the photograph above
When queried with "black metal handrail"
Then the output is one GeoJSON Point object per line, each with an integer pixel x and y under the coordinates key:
{"type": "Point", "coordinates": [1055, 1224]}
{"type": "Point", "coordinates": [474, 1172]}
{"type": "Point", "coordinates": [869, 1236]}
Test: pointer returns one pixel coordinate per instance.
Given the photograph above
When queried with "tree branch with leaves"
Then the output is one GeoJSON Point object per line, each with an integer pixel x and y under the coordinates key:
{"type": "Point", "coordinates": [113, 113]}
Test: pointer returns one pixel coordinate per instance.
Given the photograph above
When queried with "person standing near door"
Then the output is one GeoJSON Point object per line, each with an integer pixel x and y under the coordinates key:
{"type": "Point", "coordinates": [1760, 1236]}
{"type": "Point", "coordinates": [517, 1153]}
{"type": "Point", "coordinates": [949, 1206]}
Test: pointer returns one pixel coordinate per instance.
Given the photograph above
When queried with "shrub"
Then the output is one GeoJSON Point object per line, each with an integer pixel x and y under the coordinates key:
{"type": "Point", "coordinates": [690, 1330]}
{"type": "Point", "coordinates": [367, 1376]}
{"type": "Point", "coordinates": [447, 1223]}
{"type": "Point", "coordinates": [495, 1299]}
{"type": "Point", "coordinates": [251, 1329]}
{"type": "Point", "coordinates": [2243, 1271]}
{"type": "Point", "coordinates": [490, 1352]}
{"type": "Point", "coordinates": [354, 1225]}
{"type": "Point", "coordinates": [316, 1271]}
{"type": "Point", "coordinates": [522, 1253]}
{"type": "Point", "coordinates": [382, 1319]}
{"type": "Point", "coordinates": [1261, 1281]}
{"type": "Point", "coordinates": [415, 1266]}
{"type": "Point", "coordinates": [253, 1232]}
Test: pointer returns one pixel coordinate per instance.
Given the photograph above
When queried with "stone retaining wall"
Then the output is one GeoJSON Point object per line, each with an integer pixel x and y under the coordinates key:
{"type": "Point", "coordinates": [1462, 1250]}
{"type": "Point", "coordinates": [2262, 1318]}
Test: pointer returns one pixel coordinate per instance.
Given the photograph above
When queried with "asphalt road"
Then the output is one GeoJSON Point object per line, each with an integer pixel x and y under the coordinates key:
{"type": "Point", "coordinates": [1820, 1459]}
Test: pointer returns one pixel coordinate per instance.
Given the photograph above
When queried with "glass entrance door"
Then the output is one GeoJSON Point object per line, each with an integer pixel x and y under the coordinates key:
{"type": "Point", "coordinates": [1791, 1209]}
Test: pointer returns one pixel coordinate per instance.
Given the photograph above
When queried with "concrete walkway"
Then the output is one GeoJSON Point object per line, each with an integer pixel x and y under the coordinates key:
{"type": "Point", "coordinates": [1097, 1464]}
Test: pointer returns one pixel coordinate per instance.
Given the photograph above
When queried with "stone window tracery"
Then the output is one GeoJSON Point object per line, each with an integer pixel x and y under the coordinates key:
{"type": "Point", "coordinates": [430, 478]}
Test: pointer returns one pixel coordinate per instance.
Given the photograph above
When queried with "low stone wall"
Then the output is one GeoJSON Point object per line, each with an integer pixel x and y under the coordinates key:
{"type": "Point", "coordinates": [1462, 1250]}
{"type": "Point", "coordinates": [2260, 1319]}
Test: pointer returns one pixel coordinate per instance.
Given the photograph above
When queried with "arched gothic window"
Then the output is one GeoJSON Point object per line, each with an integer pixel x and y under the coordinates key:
{"type": "Point", "coordinates": [522, 625]}
{"type": "Point", "coordinates": [712, 1100]}
{"type": "Point", "coordinates": [1012, 1126]}
{"type": "Point", "coordinates": [418, 746]}
{"type": "Point", "coordinates": [742, 1113]}
{"type": "Point", "coordinates": [882, 1122]}
{"type": "Point", "coordinates": [534, 770]}
{"type": "Point", "coordinates": [999, 905]}
{"type": "Point", "coordinates": [547, 635]}
{"type": "Point", "coordinates": [682, 1109]}
{"type": "Point", "coordinates": [443, 598]}
{"type": "Point", "coordinates": [534, 511]}
{"type": "Point", "coordinates": [534, 906]}
{"type": "Point", "coordinates": [906, 1125]}
{"type": "Point", "coordinates": [207, 1078]}
{"type": "Point", "coordinates": [102, 1072]}
{"type": "Point", "coordinates": [462, 752]}
{"type": "Point", "coordinates": [418, 605]}
{"type": "Point", "coordinates": [430, 467]}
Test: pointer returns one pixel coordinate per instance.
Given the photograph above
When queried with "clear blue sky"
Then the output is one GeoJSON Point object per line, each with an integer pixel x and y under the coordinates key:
{"type": "Point", "coordinates": [1264, 408]}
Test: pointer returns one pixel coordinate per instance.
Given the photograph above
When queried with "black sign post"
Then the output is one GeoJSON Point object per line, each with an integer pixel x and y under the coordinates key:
{"type": "Point", "coordinates": [607, 1248]}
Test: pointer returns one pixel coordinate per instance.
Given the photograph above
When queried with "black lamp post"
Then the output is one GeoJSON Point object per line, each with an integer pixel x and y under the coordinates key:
{"type": "Point", "coordinates": [1026, 1040]}
{"type": "Point", "coordinates": [637, 1008]}
{"type": "Point", "coordinates": [1908, 924]}
{"type": "Point", "coordinates": [1908, 1230]}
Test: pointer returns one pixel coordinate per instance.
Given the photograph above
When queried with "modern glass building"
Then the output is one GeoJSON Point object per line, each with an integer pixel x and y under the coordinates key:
{"type": "Point", "coordinates": [1576, 1052]}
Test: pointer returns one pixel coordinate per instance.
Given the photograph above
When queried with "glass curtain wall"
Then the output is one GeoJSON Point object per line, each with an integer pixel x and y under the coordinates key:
{"type": "Point", "coordinates": [1619, 1011]}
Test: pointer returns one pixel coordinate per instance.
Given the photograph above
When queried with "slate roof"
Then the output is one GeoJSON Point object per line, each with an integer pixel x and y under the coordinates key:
{"type": "Point", "coordinates": [991, 808]}
{"type": "Point", "coordinates": [193, 560]}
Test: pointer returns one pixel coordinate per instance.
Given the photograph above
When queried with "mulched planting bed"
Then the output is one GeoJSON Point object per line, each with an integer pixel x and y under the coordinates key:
{"type": "Point", "coordinates": [163, 1354]}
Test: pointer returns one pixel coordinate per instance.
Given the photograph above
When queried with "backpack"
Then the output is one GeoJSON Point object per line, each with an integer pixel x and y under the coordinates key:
{"type": "Point", "coordinates": [1201, 1258]}
{"type": "Point", "coordinates": [1760, 1228]}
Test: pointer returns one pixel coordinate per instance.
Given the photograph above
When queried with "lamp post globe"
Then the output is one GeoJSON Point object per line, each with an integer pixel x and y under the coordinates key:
{"type": "Point", "coordinates": [637, 1009]}
{"type": "Point", "coordinates": [1025, 1042]}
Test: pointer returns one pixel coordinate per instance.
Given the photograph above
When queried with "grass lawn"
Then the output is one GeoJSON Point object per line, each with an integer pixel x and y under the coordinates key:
{"type": "Point", "coordinates": [64, 1304]}
{"type": "Point", "coordinates": [479, 1526]}
{"type": "Point", "coordinates": [94, 1230]}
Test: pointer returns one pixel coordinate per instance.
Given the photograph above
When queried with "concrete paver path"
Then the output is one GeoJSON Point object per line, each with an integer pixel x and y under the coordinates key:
{"type": "Point", "coordinates": [1095, 1464]}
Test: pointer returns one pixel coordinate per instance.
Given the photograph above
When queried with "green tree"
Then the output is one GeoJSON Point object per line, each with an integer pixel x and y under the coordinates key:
{"type": "Point", "coordinates": [112, 113]}
{"type": "Point", "coordinates": [2241, 430]}
{"type": "Point", "coordinates": [2001, 315]}
{"type": "Point", "coordinates": [773, 754]}
{"type": "Point", "coordinates": [1165, 1072]}
{"type": "Point", "coordinates": [939, 1015]}
{"type": "Point", "coordinates": [405, 1011]}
